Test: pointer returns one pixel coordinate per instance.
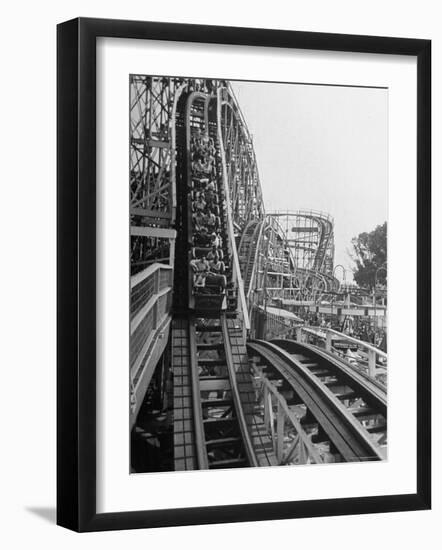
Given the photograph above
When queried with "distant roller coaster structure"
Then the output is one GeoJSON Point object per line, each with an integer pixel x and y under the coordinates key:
{"type": "Point", "coordinates": [309, 235]}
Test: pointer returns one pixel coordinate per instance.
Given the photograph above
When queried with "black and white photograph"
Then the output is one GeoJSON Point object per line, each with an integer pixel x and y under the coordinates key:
{"type": "Point", "coordinates": [258, 273]}
{"type": "Point", "coordinates": [225, 252]}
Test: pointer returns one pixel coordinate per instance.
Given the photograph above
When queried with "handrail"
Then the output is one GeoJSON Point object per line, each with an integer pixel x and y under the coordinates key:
{"type": "Point", "coordinates": [235, 394]}
{"type": "Point", "coordinates": [343, 336]}
{"type": "Point", "coordinates": [200, 444]}
{"type": "Point", "coordinates": [230, 230]}
{"type": "Point", "coordinates": [140, 362]}
{"type": "Point", "coordinates": [372, 351]}
{"type": "Point", "coordinates": [255, 258]}
{"type": "Point", "coordinates": [150, 304]}
{"type": "Point", "coordinates": [150, 270]}
{"type": "Point", "coordinates": [177, 95]}
{"type": "Point", "coordinates": [143, 361]}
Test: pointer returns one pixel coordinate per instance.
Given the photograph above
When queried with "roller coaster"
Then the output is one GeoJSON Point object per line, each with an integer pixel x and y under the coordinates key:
{"type": "Point", "coordinates": [207, 390]}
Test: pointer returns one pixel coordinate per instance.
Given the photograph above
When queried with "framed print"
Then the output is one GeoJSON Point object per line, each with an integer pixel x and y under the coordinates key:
{"type": "Point", "coordinates": [243, 274]}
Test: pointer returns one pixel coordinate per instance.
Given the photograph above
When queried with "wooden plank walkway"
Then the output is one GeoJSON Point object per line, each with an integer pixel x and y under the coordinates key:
{"type": "Point", "coordinates": [183, 422]}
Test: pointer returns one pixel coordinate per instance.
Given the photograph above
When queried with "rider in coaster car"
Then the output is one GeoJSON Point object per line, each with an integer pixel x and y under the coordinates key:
{"type": "Point", "coordinates": [210, 221]}
{"type": "Point", "coordinates": [215, 276]}
{"type": "Point", "coordinates": [210, 197]}
{"type": "Point", "coordinates": [216, 265]}
{"type": "Point", "coordinates": [212, 149]}
{"type": "Point", "coordinates": [202, 238]}
{"type": "Point", "coordinates": [196, 137]}
{"type": "Point", "coordinates": [209, 165]}
{"type": "Point", "coordinates": [200, 220]}
{"type": "Point", "coordinates": [198, 167]}
{"type": "Point", "coordinates": [205, 142]}
{"type": "Point", "coordinates": [216, 240]}
{"type": "Point", "coordinates": [213, 255]}
{"type": "Point", "coordinates": [200, 204]}
{"type": "Point", "coordinates": [200, 267]}
{"type": "Point", "coordinates": [197, 155]}
{"type": "Point", "coordinates": [199, 183]}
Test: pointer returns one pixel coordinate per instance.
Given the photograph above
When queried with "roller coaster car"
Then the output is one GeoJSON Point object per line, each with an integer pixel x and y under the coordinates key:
{"type": "Point", "coordinates": [200, 251]}
{"type": "Point", "coordinates": [232, 298]}
{"type": "Point", "coordinates": [208, 291]}
{"type": "Point", "coordinates": [208, 299]}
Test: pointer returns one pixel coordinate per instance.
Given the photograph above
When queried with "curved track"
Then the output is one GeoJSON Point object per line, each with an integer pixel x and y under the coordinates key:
{"type": "Point", "coordinates": [337, 407]}
{"type": "Point", "coordinates": [247, 252]}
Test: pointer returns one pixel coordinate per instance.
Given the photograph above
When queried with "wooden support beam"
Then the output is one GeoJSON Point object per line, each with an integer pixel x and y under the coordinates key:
{"type": "Point", "coordinates": [291, 450]}
{"type": "Point", "coordinates": [280, 433]}
{"type": "Point", "coordinates": [149, 213]}
{"type": "Point", "coordinates": [160, 232]}
{"type": "Point", "coordinates": [151, 143]}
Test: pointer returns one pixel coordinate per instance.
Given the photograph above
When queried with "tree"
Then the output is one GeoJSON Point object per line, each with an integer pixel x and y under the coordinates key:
{"type": "Point", "coordinates": [369, 255]}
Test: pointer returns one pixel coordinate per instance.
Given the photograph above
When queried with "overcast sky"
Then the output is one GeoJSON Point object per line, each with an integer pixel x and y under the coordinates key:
{"type": "Point", "coordinates": [321, 148]}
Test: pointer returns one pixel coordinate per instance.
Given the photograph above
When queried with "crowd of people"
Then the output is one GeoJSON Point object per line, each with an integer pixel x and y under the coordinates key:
{"type": "Point", "coordinates": [207, 261]}
{"type": "Point", "coordinates": [361, 329]}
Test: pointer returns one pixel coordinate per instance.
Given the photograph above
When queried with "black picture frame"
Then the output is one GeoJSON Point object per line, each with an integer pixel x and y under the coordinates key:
{"type": "Point", "coordinates": [76, 273]}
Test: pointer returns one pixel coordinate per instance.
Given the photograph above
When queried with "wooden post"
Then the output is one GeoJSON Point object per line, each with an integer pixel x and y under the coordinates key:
{"type": "Point", "coordinates": [155, 315]}
{"type": "Point", "coordinates": [172, 252]}
{"type": "Point", "coordinates": [272, 420]}
{"type": "Point", "coordinates": [280, 433]}
{"type": "Point", "coordinates": [328, 341]}
{"type": "Point", "coordinates": [302, 453]}
{"type": "Point", "coordinates": [157, 276]}
{"type": "Point", "coordinates": [266, 407]}
{"type": "Point", "coordinates": [371, 363]}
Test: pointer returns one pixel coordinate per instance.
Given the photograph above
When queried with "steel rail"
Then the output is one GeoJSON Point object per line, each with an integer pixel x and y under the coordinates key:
{"type": "Point", "coordinates": [247, 441]}
{"type": "Point", "coordinates": [177, 95]}
{"type": "Point", "coordinates": [257, 244]}
{"type": "Point", "coordinates": [200, 438]}
{"type": "Point", "coordinates": [230, 229]}
{"type": "Point", "coordinates": [246, 234]}
{"type": "Point", "coordinates": [250, 241]}
{"type": "Point", "coordinates": [348, 436]}
{"type": "Point", "coordinates": [188, 113]}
